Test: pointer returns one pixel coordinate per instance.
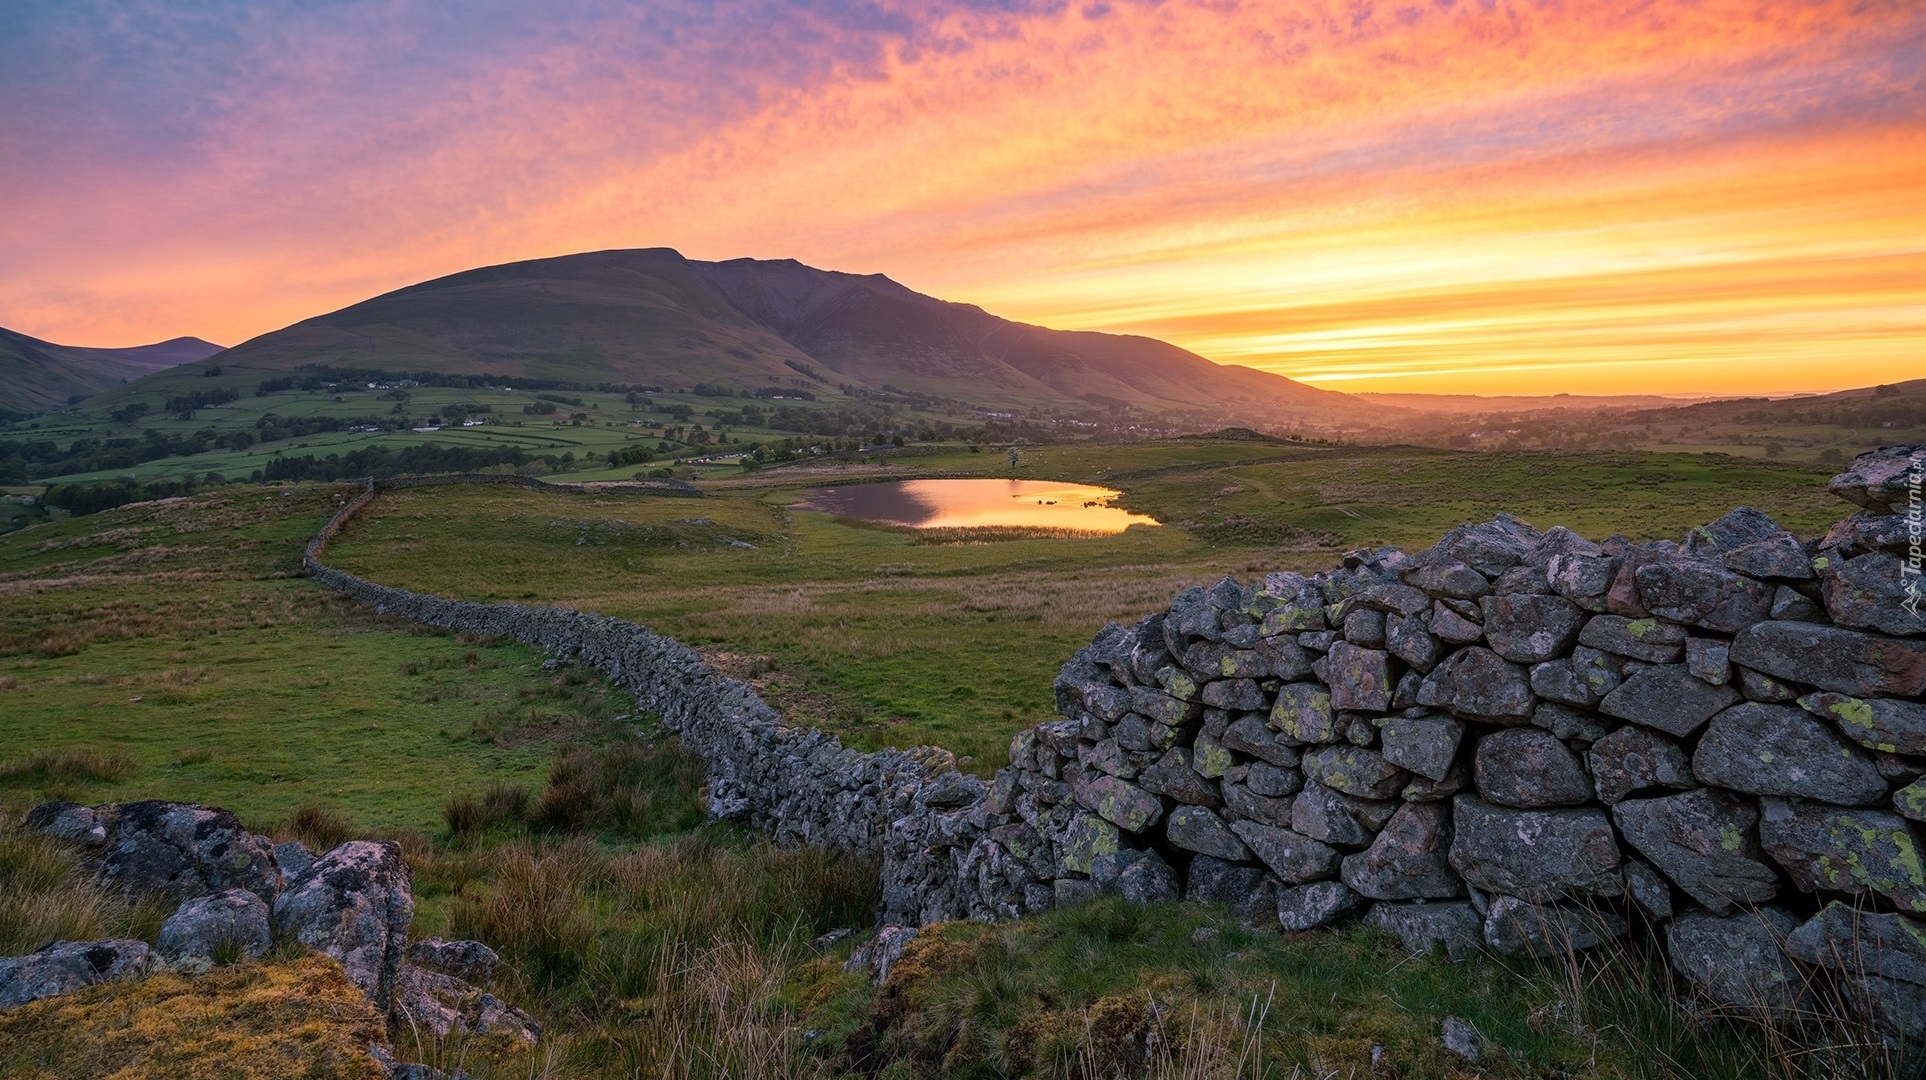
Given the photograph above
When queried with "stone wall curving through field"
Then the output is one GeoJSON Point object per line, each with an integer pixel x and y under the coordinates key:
{"type": "Point", "coordinates": [1515, 740]}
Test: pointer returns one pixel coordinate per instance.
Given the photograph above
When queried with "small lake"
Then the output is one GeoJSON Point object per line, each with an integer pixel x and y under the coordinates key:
{"type": "Point", "coordinates": [964, 504]}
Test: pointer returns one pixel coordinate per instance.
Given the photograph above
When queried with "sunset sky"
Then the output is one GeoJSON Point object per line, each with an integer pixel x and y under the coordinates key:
{"type": "Point", "coordinates": [1467, 196]}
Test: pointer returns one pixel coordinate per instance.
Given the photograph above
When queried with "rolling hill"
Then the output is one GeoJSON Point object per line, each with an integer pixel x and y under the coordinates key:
{"type": "Point", "coordinates": [650, 316]}
{"type": "Point", "coordinates": [37, 375]}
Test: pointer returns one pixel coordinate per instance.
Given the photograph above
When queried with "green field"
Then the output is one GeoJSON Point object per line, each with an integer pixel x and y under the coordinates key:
{"type": "Point", "coordinates": [890, 641]}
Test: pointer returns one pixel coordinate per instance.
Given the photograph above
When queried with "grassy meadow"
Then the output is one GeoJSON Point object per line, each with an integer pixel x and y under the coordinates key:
{"type": "Point", "coordinates": [893, 640]}
{"type": "Point", "coordinates": [170, 650]}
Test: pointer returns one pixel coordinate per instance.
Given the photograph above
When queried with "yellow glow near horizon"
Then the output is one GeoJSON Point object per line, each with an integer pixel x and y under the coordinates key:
{"type": "Point", "coordinates": [1466, 196]}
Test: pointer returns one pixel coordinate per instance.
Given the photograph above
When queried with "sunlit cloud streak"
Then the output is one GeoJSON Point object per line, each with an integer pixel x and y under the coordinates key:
{"type": "Point", "coordinates": [1466, 195]}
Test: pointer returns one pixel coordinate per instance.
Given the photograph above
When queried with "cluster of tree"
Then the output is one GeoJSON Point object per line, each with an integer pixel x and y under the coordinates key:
{"type": "Point", "coordinates": [322, 375]}
{"type": "Point", "coordinates": [183, 406]}
{"type": "Point", "coordinates": [81, 499]}
{"type": "Point", "coordinates": [397, 461]}
{"type": "Point", "coordinates": [24, 460]}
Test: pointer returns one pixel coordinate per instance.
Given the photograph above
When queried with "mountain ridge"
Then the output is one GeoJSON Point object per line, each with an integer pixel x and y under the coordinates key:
{"type": "Point", "coordinates": [36, 375]}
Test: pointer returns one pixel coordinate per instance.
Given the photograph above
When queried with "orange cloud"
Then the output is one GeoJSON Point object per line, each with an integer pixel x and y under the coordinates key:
{"type": "Point", "coordinates": [1459, 195]}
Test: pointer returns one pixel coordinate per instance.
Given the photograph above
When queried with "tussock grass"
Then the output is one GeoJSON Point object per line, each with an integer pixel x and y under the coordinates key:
{"type": "Point", "coordinates": [318, 826]}
{"type": "Point", "coordinates": [48, 894]}
{"type": "Point", "coordinates": [71, 765]}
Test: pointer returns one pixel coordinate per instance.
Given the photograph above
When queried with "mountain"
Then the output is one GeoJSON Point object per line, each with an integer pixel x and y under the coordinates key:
{"type": "Point", "coordinates": [37, 375]}
{"type": "Point", "coordinates": [650, 316]}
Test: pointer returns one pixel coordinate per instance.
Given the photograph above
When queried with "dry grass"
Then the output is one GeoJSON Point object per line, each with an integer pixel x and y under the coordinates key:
{"type": "Point", "coordinates": [48, 894]}
{"type": "Point", "coordinates": [43, 767]}
{"type": "Point", "coordinates": [321, 828]}
{"type": "Point", "coordinates": [239, 1022]}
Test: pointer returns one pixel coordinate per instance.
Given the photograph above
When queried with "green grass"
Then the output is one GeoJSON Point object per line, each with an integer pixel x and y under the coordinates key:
{"type": "Point", "coordinates": [893, 642]}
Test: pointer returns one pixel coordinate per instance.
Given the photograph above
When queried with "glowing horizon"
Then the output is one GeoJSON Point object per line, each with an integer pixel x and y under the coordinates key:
{"type": "Point", "coordinates": [1461, 196]}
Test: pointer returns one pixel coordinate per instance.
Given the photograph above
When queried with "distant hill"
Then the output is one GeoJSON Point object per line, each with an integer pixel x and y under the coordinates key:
{"type": "Point", "coordinates": [37, 375]}
{"type": "Point", "coordinates": [650, 316]}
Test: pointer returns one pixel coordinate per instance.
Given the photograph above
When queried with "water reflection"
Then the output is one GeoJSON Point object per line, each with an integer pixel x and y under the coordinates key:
{"type": "Point", "coordinates": [950, 504]}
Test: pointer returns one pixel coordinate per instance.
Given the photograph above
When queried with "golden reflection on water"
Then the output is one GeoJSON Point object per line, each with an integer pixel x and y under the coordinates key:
{"type": "Point", "coordinates": [949, 504]}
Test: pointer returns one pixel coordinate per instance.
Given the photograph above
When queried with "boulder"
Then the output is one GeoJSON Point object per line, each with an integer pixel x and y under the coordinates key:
{"type": "Point", "coordinates": [1538, 855]}
{"type": "Point", "coordinates": [468, 960]}
{"type": "Point", "coordinates": [1238, 695]}
{"type": "Point", "coordinates": [354, 904]}
{"type": "Point", "coordinates": [1700, 593]}
{"type": "Point", "coordinates": [1426, 745]}
{"type": "Point", "coordinates": [1307, 907]}
{"type": "Point", "coordinates": [1706, 841]}
{"type": "Point", "coordinates": [1781, 750]}
{"type": "Point", "coordinates": [1148, 880]}
{"type": "Point", "coordinates": [1088, 839]}
{"type": "Point", "coordinates": [1880, 480]}
{"type": "Point", "coordinates": [1303, 712]}
{"type": "Point", "coordinates": [1336, 818]}
{"type": "Point", "coordinates": [444, 1005]}
{"type": "Point", "coordinates": [1174, 777]}
{"type": "Point", "coordinates": [1477, 683]}
{"type": "Point", "coordinates": [1354, 770]}
{"type": "Point", "coordinates": [1634, 758]}
{"type": "Point", "coordinates": [1449, 626]}
{"type": "Point", "coordinates": [292, 857]}
{"type": "Point", "coordinates": [66, 966]}
{"type": "Point", "coordinates": [1409, 638]}
{"type": "Point", "coordinates": [1249, 735]}
{"type": "Point", "coordinates": [1779, 556]}
{"type": "Point", "coordinates": [1861, 942]}
{"type": "Point", "coordinates": [1736, 960]}
{"type": "Point", "coordinates": [1584, 579]}
{"type": "Point", "coordinates": [1845, 850]}
{"type": "Point", "coordinates": [68, 821]}
{"type": "Point", "coordinates": [176, 850]}
{"type": "Point", "coordinates": [1194, 828]}
{"type": "Point", "coordinates": [1365, 627]}
{"type": "Point", "coordinates": [1409, 859]}
{"type": "Point", "coordinates": [1218, 881]}
{"type": "Point", "coordinates": [1293, 857]}
{"type": "Point", "coordinates": [1454, 926]}
{"type": "Point", "coordinates": [1649, 640]}
{"type": "Point", "coordinates": [1669, 698]}
{"type": "Point", "coordinates": [1529, 767]}
{"type": "Point", "coordinates": [236, 920]}
{"type": "Point", "coordinates": [1845, 661]}
{"type": "Point", "coordinates": [1241, 802]}
{"type": "Point", "coordinates": [1424, 789]}
{"type": "Point", "coordinates": [1559, 681]}
{"type": "Point", "coordinates": [1271, 781]}
{"type": "Point", "coordinates": [1789, 604]}
{"type": "Point", "coordinates": [1447, 577]}
{"type": "Point", "coordinates": [1359, 678]}
{"type": "Point", "coordinates": [1124, 805]}
{"type": "Point", "coordinates": [1531, 628]}
{"type": "Point", "coordinates": [1894, 727]}
{"type": "Point", "coordinates": [1515, 927]}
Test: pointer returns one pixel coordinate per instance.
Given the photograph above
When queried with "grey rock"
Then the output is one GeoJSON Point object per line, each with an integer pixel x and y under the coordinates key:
{"type": "Point", "coordinates": [1307, 907]}
{"type": "Point", "coordinates": [1536, 855]}
{"type": "Point", "coordinates": [1426, 745]}
{"type": "Point", "coordinates": [1159, 706]}
{"type": "Point", "coordinates": [1529, 767]}
{"type": "Point", "coordinates": [443, 1005]}
{"type": "Point", "coordinates": [1354, 770]}
{"type": "Point", "coordinates": [1219, 881]}
{"type": "Point", "coordinates": [1709, 660]}
{"type": "Point", "coordinates": [1293, 857]}
{"type": "Point", "coordinates": [1706, 841]}
{"type": "Point", "coordinates": [1757, 687]}
{"type": "Point", "coordinates": [178, 850]}
{"type": "Point", "coordinates": [292, 857]}
{"type": "Point", "coordinates": [880, 953]}
{"type": "Point", "coordinates": [1668, 698]}
{"type": "Point", "coordinates": [1088, 838]}
{"type": "Point", "coordinates": [1649, 640]}
{"type": "Point", "coordinates": [1790, 604]}
{"type": "Point", "coordinates": [236, 919]}
{"type": "Point", "coordinates": [1634, 758]}
{"type": "Point", "coordinates": [68, 821]}
{"type": "Point", "coordinates": [1601, 672]}
{"type": "Point", "coordinates": [1194, 828]}
{"type": "Point", "coordinates": [1409, 859]}
{"type": "Point", "coordinates": [1365, 627]}
{"type": "Point", "coordinates": [1462, 1039]}
{"type": "Point", "coordinates": [1250, 735]}
{"type": "Point", "coordinates": [1895, 727]}
{"type": "Point", "coordinates": [66, 966]}
{"type": "Point", "coordinates": [1359, 678]}
{"type": "Point", "coordinates": [1910, 800]}
{"type": "Point", "coordinates": [1148, 880]}
{"type": "Point", "coordinates": [1281, 657]}
{"type": "Point", "coordinates": [1850, 939]}
{"type": "Point", "coordinates": [1450, 626]}
{"type": "Point", "coordinates": [1648, 889]}
{"type": "Point", "coordinates": [1448, 577]}
{"type": "Point", "coordinates": [1453, 926]}
{"type": "Point", "coordinates": [1845, 850]}
{"type": "Point", "coordinates": [1297, 604]}
{"type": "Point", "coordinates": [1530, 628]}
{"type": "Point", "coordinates": [1896, 1008]}
{"type": "Point", "coordinates": [1174, 777]}
{"type": "Point", "coordinates": [1736, 960]}
{"type": "Point", "coordinates": [1409, 639]}
{"type": "Point", "coordinates": [1124, 805]}
{"type": "Point", "coordinates": [1424, 789]}
{"type": "Point", "coordinates": [354, 904]}
{"type": "Point", "coordinates": [1846, 661]}
{"type": "Point", "coordinates": [1584, 579]}
{"type": "Point", "coordinates": [1781, 750]}
{"type": "Point", "coordinates": [1272, 781]}
{"type": "Point", "coordinates": [1515, 927]}
{"type": "Point", "coordinates": [1476, 683]}
{"type": "Point", "coordinates": [1866, 531]}
{"type": "Point", "coordinates": [1569, 724]}
{"type": "Point", "coordinates": [1699, 593]}
{"type": "Point", "coordinates": [1241, 802]}
{"type": "Point", "coordinates": [1238, 695]}
{"type": "Point", "coordinates": [1336, 818]}
{"type": "Point", "coordinates": [1304, 713]}
{"type": "Point", "coordinates": [469, 960]}
{"type": "Point", "coordinates": [1879, 480]}
{"type": "Point", "coordinates": [1778, 556]}
{"type": "Point", "coordinates": [1557, 680]}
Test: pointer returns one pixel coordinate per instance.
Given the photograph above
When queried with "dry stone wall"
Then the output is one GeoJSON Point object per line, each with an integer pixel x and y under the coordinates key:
{"type": "Point", "coordinates": [1516, 740]}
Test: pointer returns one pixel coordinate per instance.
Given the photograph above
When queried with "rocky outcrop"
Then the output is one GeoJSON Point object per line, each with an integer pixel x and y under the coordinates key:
{"type": "Point", "coordinates": [177, 850]}
{"type": "Point", "coordinates": [66, 966]}
{"type": "Point", "coordinates": [354, 904]}
{"type": "Point", "coordinates": [1566, 732]}
{"type": "Point", "coordinates": [235, 921]}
